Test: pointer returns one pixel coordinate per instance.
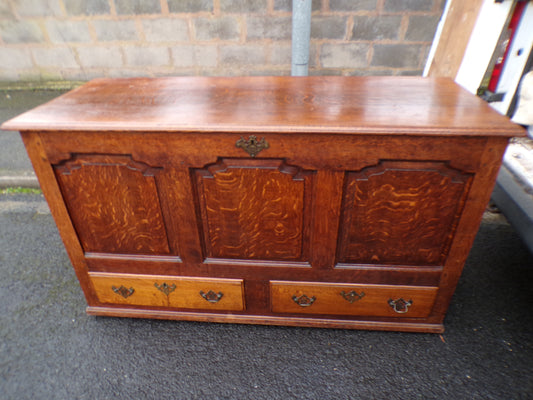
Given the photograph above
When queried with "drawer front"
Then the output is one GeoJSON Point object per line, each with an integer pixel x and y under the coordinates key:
{"type": "Point", "coordinates": [165, 291]}
{"type": "Point", "coordinates": [352, 299]}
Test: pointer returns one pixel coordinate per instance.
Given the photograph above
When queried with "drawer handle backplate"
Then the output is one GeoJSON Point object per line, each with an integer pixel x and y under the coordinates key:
{"type": "Point", "coordinates": [400, 306]}
{"type": "Point", "coordinates": [252, 145]}
{"type": "Point", "coordinates": [303, 300]}
{"type": "Point", "coordinates": [211, 296]}
{"type": "Point", "coordinates": [352, 296]}
{"type": "Point", "coordinates": [123, 291]}
{"type": "Point", "coordinates": [165, 287]}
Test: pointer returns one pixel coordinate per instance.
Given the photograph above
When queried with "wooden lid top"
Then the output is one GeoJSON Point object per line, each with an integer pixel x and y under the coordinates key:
{"type": "Point", "coordinates": [376, 105]}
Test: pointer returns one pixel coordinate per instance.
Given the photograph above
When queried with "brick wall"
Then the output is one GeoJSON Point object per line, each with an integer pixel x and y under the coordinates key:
{"type": "Point", "coordinates": [50, 40]}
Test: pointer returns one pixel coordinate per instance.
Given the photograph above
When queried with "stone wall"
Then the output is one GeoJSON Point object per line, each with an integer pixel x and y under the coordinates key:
{"type": "Point", "coordinates": [47, 40]}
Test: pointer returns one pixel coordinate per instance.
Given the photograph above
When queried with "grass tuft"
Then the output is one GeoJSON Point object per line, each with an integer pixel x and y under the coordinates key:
{"type": "Point", "coordinates": [19, 190]}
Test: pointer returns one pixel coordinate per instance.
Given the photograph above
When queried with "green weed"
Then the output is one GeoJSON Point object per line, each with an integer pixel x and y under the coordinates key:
{"type": "Point", "coordinates": [19, 190]}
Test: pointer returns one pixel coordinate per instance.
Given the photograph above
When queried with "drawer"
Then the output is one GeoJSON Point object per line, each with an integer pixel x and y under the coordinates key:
{"type": "Point", "coordinates": [165, 291]}
{"type": "Point", "coordinates": [352, 299]}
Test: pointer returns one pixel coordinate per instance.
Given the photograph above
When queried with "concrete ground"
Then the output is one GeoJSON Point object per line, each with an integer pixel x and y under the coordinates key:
{"type": "Point", "coordinates": [50, 349]}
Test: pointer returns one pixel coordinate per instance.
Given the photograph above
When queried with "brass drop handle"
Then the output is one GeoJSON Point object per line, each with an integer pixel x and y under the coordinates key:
{"type": "Point", "coordinates": [400, 306]}
{"type": "Point", "coordinates": [352, 296]}
{"type": "Point", "coordinates": [123, 291]}
{"type": "Point", "coordinates": [303, 300]}
{"type": "Point", "coordinates": [165, 287]}
{"type": "Point", "coordinates": [211, 296]}
{"type": "Point", "coordinates": [252, 145]}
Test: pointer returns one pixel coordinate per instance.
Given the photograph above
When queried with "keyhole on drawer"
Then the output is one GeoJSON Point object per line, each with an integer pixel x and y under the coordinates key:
{"type": "Point", "coordinates": [165, 287]}
{"type": "Point", "coordinates": [352, 296]}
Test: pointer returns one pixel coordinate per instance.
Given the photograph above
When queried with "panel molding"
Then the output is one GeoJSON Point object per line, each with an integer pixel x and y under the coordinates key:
{"type": "Point", "coordinates": [224, 164]}
{"type": "Point", "coordinates": [78, 160]}
{"type": "Point", "coordinates": [444, 168]}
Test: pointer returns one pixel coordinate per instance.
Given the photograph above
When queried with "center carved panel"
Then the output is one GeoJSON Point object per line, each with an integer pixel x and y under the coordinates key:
{"type": "Point", "coordinates": [401, 212]}
{"type": "Point", "coordinates": [254, 209]}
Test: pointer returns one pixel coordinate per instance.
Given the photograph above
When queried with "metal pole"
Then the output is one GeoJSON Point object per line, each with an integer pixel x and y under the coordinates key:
{"type": "Point", "coordinates": [301, 33]}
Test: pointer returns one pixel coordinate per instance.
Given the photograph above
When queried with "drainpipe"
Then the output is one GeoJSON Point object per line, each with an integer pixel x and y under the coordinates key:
{"type": "Point", "coordinates": [301, 33]}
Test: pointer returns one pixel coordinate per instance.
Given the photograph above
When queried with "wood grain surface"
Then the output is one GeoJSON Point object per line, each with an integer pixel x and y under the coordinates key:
{"type": "Point", "coordinates": [253, 209]}
{"type": "Point", "coordinates": [401, 212]}
{"type": "Point", "coordinates": [370, 300]}
{"type": "Point", "coordinates": [377, 105]}
{"type": "Point", "coordinates": [368, 184]}
{"type": "Point", "coordinates": [456, 31]}
{"type": "Point", "coordinates": [114, 204]}
{"type": "Point", "coordinates": [168, 291]}
{"type": "Point", "coordinates": [398, 325]}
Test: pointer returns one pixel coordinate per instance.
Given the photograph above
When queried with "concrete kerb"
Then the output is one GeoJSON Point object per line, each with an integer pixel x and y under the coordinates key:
{"type": "Point", "coordinates": [39, 85]}
{"type": "Point", "coordinates": [19, 181]}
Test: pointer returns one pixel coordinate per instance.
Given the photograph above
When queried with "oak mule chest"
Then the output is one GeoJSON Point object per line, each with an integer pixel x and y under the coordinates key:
{"type": "Point", "coordinates": [315, 201]}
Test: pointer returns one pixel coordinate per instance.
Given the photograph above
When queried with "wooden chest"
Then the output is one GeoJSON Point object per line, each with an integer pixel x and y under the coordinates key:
{"type": "Point", "coordinates": [317, 201]}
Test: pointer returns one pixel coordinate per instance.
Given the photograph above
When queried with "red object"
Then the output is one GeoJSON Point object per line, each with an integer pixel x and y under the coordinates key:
{"type": "Point", "coordinates": [513, 24]}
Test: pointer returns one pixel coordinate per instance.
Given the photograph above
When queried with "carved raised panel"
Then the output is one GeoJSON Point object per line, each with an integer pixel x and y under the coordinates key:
{"type": "Point", "coordinates": [254, 209]}
{"type": "Point", "coordinates": [114, 204]}
{"type": "Point", "coordinates": [401, 213]}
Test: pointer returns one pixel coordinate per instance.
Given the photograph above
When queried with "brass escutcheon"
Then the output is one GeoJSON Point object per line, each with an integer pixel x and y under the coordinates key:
{"type": "Point", "coordinates": [123, 291]}
{"type": "Point", "coordinates": [352, 296]}
{"type": "Point", "coordinates": [165, 287]}
{"type": "Point", "coordinates": [252, 146]}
